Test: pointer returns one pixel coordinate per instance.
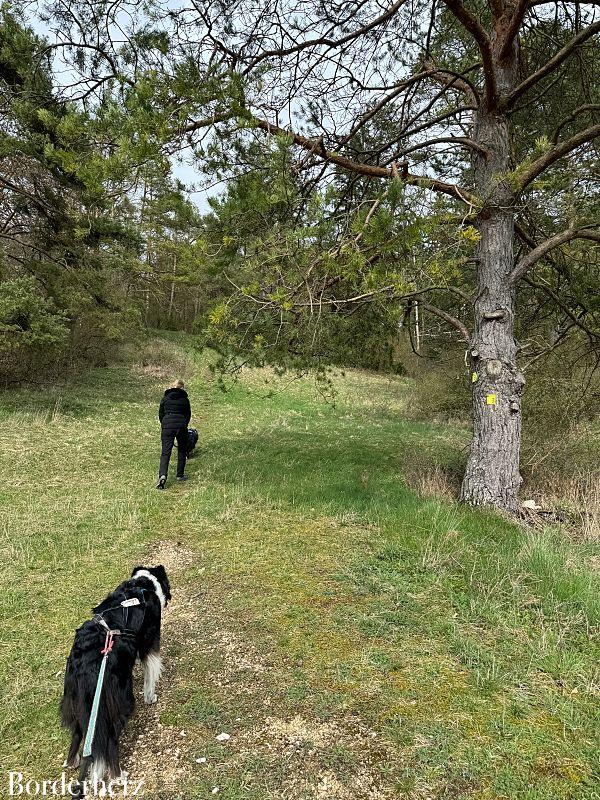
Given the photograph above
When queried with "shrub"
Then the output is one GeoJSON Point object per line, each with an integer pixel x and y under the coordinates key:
{"type": "Point", "coordinates": [98, 334]}
{"type": "Point", "coordinates": [441, 391]}
{"type": "Point", "coordinates": [164, 359]}
{"type": "Point", "coordinates": [561, 425]}
{"type": "Point", "coordinates": [38, 340]}
{"type": "Point", "coordinates": [33, 332]}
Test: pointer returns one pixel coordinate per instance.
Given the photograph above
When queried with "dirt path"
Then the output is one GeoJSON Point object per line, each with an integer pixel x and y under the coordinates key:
{"type": "Point", "coordinates": [265, 754]}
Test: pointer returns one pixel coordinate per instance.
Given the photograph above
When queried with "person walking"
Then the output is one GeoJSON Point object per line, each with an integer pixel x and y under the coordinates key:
{"type": "Point", "coordinates": [174, 414]}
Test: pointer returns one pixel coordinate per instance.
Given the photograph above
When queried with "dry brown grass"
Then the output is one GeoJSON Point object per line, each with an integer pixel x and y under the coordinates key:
{"type": "Point", "coordinates": [163, 360]}
{"type": "Point", "coordinates": [432, 481]}
{"type": "Point", "coordinates": [579, 495]}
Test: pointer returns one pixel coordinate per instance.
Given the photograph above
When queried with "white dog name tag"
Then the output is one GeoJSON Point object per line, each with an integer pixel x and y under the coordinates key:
{"type": "Point", "coordinates": [133, 601]}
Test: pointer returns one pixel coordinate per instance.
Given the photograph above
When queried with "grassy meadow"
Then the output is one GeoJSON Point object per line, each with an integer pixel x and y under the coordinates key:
{"type": "Point", "coordinates": [356, 636]}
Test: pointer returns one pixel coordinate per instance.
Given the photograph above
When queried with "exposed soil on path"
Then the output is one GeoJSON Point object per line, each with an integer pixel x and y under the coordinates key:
{"type": "Point", "coordinates": [259, 754]}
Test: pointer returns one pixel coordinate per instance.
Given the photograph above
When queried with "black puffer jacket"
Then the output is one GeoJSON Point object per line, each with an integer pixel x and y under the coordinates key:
{"type": "Point", "coordinates": [174, 410]}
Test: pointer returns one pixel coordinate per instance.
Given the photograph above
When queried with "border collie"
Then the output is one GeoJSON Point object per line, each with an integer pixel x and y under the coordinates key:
{"type": "Point", "coordinates": [192, 441]}
{"type": "Point", "coordinates": [136, 625]}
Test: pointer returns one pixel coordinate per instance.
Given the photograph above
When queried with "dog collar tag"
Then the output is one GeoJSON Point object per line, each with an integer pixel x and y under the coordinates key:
{"type": "Point", "coordinates": [133, 601]}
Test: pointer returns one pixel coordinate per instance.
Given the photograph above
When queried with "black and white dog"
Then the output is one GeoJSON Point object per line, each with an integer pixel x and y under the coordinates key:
{"type": "Point", "coordinates": [192, 441]}
{"type": "Point", "coordinates": [133, 613]}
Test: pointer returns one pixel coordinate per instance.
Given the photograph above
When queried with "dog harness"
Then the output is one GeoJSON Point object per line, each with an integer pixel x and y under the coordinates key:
{"type": "Point", "coordinates": [106, 650]}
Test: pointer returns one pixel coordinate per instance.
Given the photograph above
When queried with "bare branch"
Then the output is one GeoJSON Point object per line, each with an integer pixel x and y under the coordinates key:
{"type": "Point", "coordinates": [575, 113]}
{"type": "Point", "coordinates": [550, 244]}
{"type": "Point", "coordinates": [100, 50]}
{"type": "Point", "coordinates": [552, 294]}
{"type": "Point", "coordinates": [43, 207]}
{"type": "Point", "coordinates": [444, 77]}
{"type": "Point", "coordinates": [325, 41]}
{"type": "Point", "coordinates": [448, 318]}
{"type": "Point", "coordinates": [462, 140]}
{"type": "Point", "coordinates": [371, 170]}
{"type": "Point", "coordinates": [554, 62]}
{"type": "Point", "coordinates": [560, 150]}
{"type": "Point", "coordinates": [371, 112]}
{"type": "Point", "coordinates": [453, 80]}
{"type": "Point", "coordinates": [471, 24]}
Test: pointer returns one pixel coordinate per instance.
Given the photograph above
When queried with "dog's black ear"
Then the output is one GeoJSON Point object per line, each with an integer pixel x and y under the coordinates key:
{"type": "Point", "coordinates": [160, 574]}
{"type": "Point", "coordinates": [159, 571]}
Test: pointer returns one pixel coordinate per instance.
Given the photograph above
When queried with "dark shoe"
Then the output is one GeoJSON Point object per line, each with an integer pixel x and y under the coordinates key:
{"type": "Point", "coordinates": [182, 477]}
{"type": "Point", "coordinates": [161, 482]}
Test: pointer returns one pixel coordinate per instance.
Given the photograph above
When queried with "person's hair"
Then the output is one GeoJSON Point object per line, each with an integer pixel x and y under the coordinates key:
{"type": "Point", "coordinates": [178, 384]}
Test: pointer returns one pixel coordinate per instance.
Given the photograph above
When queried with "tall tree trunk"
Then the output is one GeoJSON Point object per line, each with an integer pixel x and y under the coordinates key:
{"type": "Point", "coordinates": [417, 328]}
{"type": "Point", "coordinates": [172, 294]}
{"type": "Point", "coordinates": [492, 475]}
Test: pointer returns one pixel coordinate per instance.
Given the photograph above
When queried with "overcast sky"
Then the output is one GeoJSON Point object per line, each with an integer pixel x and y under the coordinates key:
{"type": "Point", "coordinates": [182, 168]}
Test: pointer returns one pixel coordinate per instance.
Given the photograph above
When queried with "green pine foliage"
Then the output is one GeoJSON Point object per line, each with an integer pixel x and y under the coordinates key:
{"type": "Point", "coordinates": [68, 248]}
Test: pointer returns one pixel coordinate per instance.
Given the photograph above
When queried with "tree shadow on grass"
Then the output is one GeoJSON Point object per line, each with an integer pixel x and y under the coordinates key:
{"type": "Point", "coordinates": [336, 475]}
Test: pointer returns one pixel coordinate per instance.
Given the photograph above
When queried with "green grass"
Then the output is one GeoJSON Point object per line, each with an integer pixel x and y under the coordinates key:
{"type": "Point", "coordinates": [466, 643]}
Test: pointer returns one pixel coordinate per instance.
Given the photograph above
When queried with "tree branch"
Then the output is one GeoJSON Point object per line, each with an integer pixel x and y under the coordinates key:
{"type": "Point", "coordinates": [198, 124]}
{"type": "Point", "coordinates": [513, 29]}
{"type": "Point", "coordinates": [97, 49]}
{"type": "Point", "coordinates": [560, 150]}
{"type": "Point", "coordinates": [444, 77]}
{"type": "Point", "coordinates": [375, 109]}
{"type": "Point", "coordinates": [454, 321]}
{"type": "Point", "coordinates": [471, 24]}
{"type": "Point", "coordinates": [317, 147]}
{"type": "Point", "coordinates": [554, 62]}
{"type": "Point", "coordinates": [325, 41]}
{"type": "Point", "coordinates": [41, 206]}
{"type": "Point", "coordinates": [453, 80]}
{"type": "Point", "coordinates": [448, 318]}
{"type": "Point", "coordinates": [550, 244]}
{"type": "Point", "coordinates": [552, 294]}
{"type": "Point", "coordinates": [575, 113]}
{"type": "Point", "coordinates": [462, 140]}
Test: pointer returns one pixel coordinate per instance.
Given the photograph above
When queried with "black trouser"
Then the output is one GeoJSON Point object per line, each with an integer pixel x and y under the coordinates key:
{"type": "Point", "coordinates": [167, 437]}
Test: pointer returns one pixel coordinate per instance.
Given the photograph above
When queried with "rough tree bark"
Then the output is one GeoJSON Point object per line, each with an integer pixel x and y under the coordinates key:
{"type": "Point", "coordinates": [492, 475]}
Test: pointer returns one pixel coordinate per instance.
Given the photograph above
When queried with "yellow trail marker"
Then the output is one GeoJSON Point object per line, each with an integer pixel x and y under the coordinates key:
{"type": "Point", "coordinates": [490, 399]}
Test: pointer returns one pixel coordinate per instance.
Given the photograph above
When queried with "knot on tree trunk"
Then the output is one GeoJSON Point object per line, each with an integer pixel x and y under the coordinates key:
{"type": "Point", "coordinates": [494, 368]}
{"type": "Point", "coordinates": [497, 315]}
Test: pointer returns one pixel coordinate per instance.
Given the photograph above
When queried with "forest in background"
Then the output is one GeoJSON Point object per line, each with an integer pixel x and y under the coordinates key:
{"type": "Point", "coordinates": [302, 262]}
